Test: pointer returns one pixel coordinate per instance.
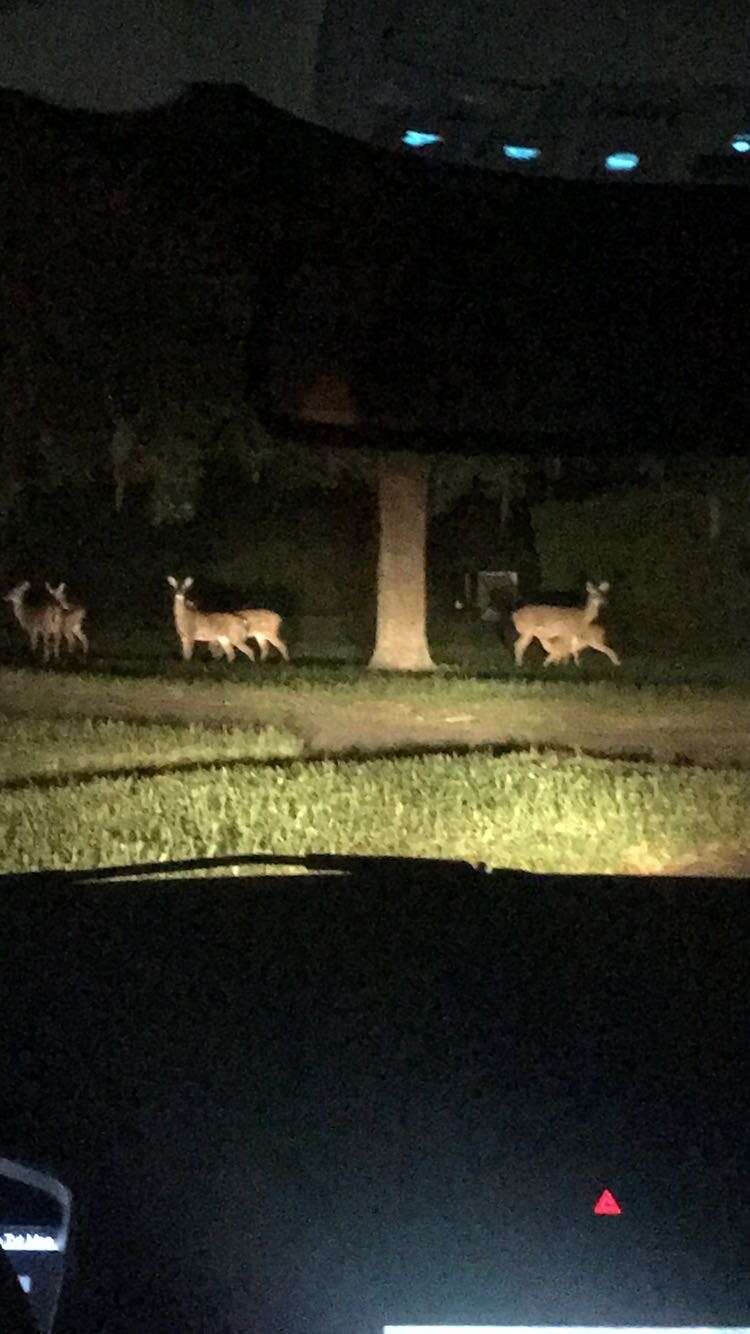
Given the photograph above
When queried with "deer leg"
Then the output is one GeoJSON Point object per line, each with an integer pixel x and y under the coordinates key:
{"type": "Point", "coordinates": [187, 649]}
{"type": "Point", "coordinates": [604, 648]}
{"type": "Point", "coordinates": [243, 648]}
{"type": "Point", "coordinates": [281, 647]}
{"type": "Point", "coordinates": [522, 643]}
{"type": "Point", "coordinates": [553, 654]}
{"type": "Point", "coordinates": [76, 636]}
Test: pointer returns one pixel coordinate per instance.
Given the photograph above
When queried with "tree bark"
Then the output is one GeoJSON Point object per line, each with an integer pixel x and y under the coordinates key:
{"type": "Point", "coordinates": [401, 638]}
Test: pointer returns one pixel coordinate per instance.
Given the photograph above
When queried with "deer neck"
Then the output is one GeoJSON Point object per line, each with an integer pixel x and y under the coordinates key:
{"type": "Point", "coordinates": [184, 617]}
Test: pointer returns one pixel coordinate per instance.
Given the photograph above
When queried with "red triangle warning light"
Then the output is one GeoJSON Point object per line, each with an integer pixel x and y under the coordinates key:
{"type": "Point", "coordinates": [607, 1204]}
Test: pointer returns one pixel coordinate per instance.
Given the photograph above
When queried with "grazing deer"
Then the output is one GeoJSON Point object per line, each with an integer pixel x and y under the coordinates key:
{"type": "Point", "coordinates": [73, 616]}
{"type": "Point", "coordinates": [222, 630]}
{"type": "Point", "coordinates": [42, 621]}
{"type": "Point", "coordinates": [564, 631]}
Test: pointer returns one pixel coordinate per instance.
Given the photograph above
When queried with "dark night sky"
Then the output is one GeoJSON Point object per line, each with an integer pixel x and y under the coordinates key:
{"type": "Point", "coordinates": [114, 55]}
{"type": "Point", "coordinates": [118, 54]}
{"type": "Point", "coordinates": [685, 41]}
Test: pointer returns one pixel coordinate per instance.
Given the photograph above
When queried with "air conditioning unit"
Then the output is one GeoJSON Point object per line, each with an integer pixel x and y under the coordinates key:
{"type": "Point", "coordinates": [489, 592]}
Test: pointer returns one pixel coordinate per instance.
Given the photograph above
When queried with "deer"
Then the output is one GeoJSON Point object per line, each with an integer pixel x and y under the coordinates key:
{"type": "Point", "coordinates": [564, 631]}
{"type": "Point", "coordinates": [265, 628]}
{"type": "Point", "coordinates": [562, 650]}
{"type": "Point", "coordinates": [73, 616]}
{"type": "Point", "coordinates": [41, 621]}
{"type": "Point", "coordinates": [223, 631]}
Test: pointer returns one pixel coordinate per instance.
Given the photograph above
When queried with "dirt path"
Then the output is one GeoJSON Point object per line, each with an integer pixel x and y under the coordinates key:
{"type": "Point", "coordinates": [665, 736]}
{"type": "Point", "coordinates": [711, 730]}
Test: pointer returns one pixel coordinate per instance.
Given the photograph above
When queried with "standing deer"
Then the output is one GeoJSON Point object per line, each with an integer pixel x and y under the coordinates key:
{"type": "Point", "coordinates": [222, 630]}
{"type": "Point", "coordinates": [564, 631]}
{"type": "Point", "coordinates": [73, 616]}
{"type": "Point", "coordinates": [42, 621]}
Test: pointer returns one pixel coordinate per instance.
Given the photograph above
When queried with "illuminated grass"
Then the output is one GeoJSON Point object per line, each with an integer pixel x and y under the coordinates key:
{"type": "Point", "coordinates": [76, 747]}
{"type": "Point", "coordinates": [535, 812]}
{"type": "Point", "coordinates": [41, 693]}
{"type": "Point", "coordinates": [337, 711]}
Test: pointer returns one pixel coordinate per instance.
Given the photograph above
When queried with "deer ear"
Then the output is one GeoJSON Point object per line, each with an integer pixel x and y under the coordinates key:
{"type": "Point", "coordinates": [590, 587]}
{"type": "Point", "coordinates": [171, 581]}
{"type": "Point", "coordinates": [604, 588]}
{"type": "Point", "coordinates": [188, 583]}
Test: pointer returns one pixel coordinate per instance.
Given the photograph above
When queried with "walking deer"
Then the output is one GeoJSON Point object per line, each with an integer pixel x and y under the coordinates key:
{"type": "Point", "coordinates": [39, 620]}
{"type": "Point", "coordinates": [265, 628]}
{"type": "Point", "coordinates": [564, 631]}
{"type": "Point", "coordinates": [262, 626]}
{"type": "Point", "coordinates": [73, 616]}
{"type": "Point", "coordinates": [222, 630]}
{"type": "Point", "coordinates": [561, 650]}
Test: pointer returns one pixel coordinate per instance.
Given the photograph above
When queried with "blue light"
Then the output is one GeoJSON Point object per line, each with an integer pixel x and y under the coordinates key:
{"type": "Point", "coordinates": [519, 153]}
{"type": "Point", "coordinates": [741, 143]}
{"type": "Point", "coordinates": [622, 161]}
{"type": "Point", "coordinates": [420, 138]}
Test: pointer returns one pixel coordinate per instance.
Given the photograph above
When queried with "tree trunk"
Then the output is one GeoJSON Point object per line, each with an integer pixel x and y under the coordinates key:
{"type": "Point", "coordinates": [401, 639]}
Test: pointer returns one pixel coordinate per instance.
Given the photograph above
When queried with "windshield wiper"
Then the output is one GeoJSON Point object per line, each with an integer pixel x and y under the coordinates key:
{"type": "Point", "coordinates": [345, 864]}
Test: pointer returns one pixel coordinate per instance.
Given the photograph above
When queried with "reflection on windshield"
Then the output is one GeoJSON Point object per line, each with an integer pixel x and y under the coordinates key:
{"type": "Point", "coordinates": [35, 1212]}
{"type": "Point", "coordinates": [453, 606]}
{"type": "Point", "coordinates": [27, 1241]}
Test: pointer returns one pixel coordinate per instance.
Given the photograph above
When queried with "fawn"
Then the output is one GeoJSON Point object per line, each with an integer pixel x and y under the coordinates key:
{"type": "Point", "coordinates": [73, 616]}
{"type": "Point", "coordinates": [564, 631]}
{"type": "Point", "coordinates": [264, 627]}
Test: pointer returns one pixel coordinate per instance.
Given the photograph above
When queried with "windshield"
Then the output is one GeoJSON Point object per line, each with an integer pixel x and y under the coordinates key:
{"type": "Point", "coordinates": [373, 530]}
{"type": "Point", "coordinates": [360, 503]}
{"type": "Point", "coordinates": [374, 423]}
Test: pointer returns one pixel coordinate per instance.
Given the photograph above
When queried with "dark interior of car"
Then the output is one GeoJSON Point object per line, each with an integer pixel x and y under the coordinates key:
{"type": "Point", "coordinates": [277, 1109]}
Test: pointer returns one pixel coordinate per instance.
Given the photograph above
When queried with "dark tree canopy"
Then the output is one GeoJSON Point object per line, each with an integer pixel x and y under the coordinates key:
{"type": "Point", "coordinates": [156, 248]}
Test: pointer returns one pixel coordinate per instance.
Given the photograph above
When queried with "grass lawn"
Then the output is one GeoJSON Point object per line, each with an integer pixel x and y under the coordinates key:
{"type": "Point", "coordinates": [333, 710]}
{"type": "Point", "coordinates": [138, 756]}
{"type": "Point", "coordinates": [49, 751]}
{"type": "Point", "coordinates": [84, 793]}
